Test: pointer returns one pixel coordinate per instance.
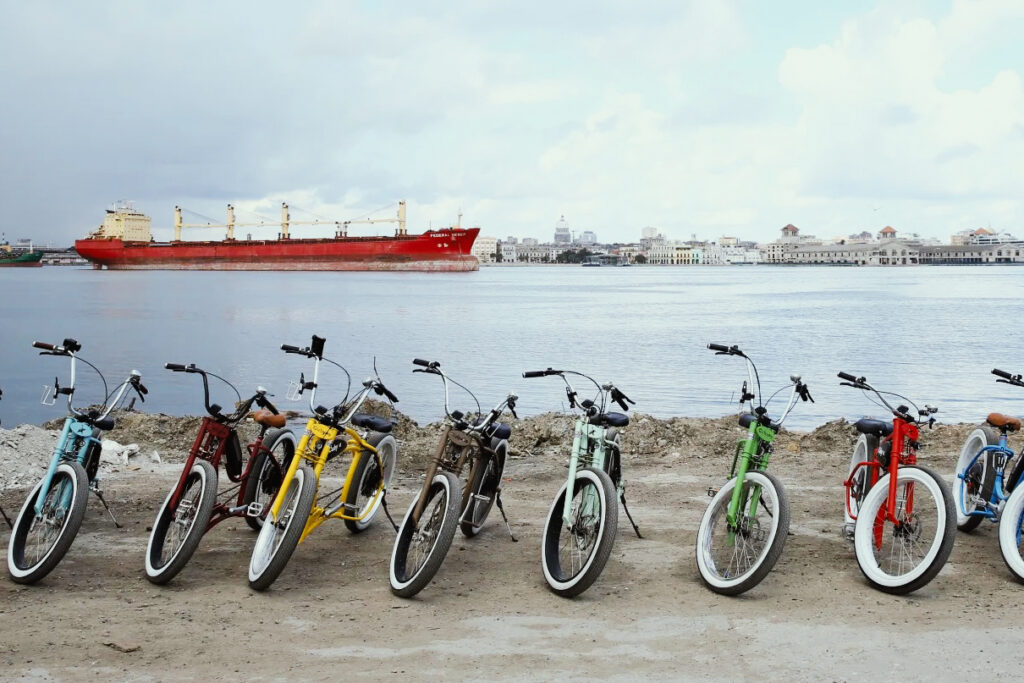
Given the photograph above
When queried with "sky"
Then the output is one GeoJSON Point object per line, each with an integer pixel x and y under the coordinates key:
{"type": "Point", "coordinates": [697, 117]}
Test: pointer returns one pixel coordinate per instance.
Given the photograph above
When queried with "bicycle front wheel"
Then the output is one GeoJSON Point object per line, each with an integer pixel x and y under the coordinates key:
{"type": "Point", "coordinates": [39, 543]}
{"type": "Point", "coordinates": [575, 550]}
{"type": "Point", "coordinates": [421, 548]}
{"type": "Point", "coordinates": [1011, 533]}
{"type": "Point", "coordinates": [901, 556]}
{"type": "Point", "coordinates": [733, 558]}
{"type": "Point", "coordinates": [974, 478]}
{"type": "Point", "coordinates": [280, 535]}
{"type": "Point", "coordinates": [177, 533]}
{"type": "Point", "coordinates": [360, 501]}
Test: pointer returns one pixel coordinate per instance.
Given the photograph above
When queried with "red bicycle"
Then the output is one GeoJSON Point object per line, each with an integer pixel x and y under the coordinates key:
{"type": "Point", "coordinates": [193, 506]}
{"type": "Point", "coordinates": [899, 514]}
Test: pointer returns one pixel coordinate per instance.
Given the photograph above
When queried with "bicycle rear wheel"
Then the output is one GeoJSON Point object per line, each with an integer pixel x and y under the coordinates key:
{"type": "Point", "coordinates": [266, 473]}
{"type": "Point", "coordinates": [1011, 533]}
{"type": "Point", "coordinates": [974, 477]}
{"type": "Point", "coordinates": [360, 500]}
{"type": "Point", "coordinates": [420, 549]}
{"type": "Point", "coordinates": [902, 556]}
{"type": "Point", "coordinates": [483, 490]}
{"type": "Point", "coordinates": [574, 553]}
{"type": "Point", "coordinates": [732, 559]}
{"type": "Point", "coordinates": [863, 451]}
{"type": "Point", "coordinates": [176, 533]}
{"type": "Point", "coordinates": [279, 536]}
{"type": "Point", "coordinates": [39, 543]}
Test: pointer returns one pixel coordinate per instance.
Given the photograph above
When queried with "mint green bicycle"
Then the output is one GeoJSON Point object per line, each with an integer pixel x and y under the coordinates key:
{"type": "Point", "coordinates": [744, 528]}
{"type": "Point", "coordinates": [581, 526]}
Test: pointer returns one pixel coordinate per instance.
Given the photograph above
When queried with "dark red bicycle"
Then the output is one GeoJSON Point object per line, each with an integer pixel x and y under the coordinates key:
{"type": "Point", "coordinates": [193, 506]}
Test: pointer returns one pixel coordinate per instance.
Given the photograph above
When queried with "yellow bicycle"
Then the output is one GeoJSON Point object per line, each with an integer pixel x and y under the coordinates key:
{"type": "Point", "coordinates": [331, 433]}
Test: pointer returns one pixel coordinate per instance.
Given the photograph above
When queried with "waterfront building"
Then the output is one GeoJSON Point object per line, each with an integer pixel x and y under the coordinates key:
{"type": "Point", "coordinates": [485, 249]}
{"type": "Point", "coordinates": [975, 254]}
{"type": "Point", "coordinates": [588, 237]}
{"type": "Point", "coordinates": [509, 251]}
{"type": "Point", "coordinates": [562, 233]}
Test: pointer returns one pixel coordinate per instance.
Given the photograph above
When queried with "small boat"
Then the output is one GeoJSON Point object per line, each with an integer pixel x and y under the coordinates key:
{"type": "Point", "coordinates": [22, 259]}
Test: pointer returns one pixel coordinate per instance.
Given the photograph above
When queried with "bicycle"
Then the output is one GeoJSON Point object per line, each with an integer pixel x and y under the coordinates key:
{"type": "Point", "coordinates": [193, 506]}
{"type": "Point", "coordinates": [52, 514]}
{"type": "Point", "coordinates": [986, 479]}
{"type": "Point", "coordinates": [580, 529]}
{"type": "Point", "coordinates": [743, 531]}
{"type": "Point", "coordinates": [892, 503]}
{"type": "Point", "coordinates": [299, 508]}
{"type": "Point", "coordinates": [443, 504]}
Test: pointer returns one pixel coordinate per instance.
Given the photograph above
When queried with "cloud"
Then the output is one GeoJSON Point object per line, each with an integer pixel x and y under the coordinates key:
{"type": "Point", "coordinates": [687, 116]}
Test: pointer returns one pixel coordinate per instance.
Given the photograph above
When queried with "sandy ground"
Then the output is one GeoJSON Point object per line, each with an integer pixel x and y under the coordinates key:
{"type": "Point", "coordinates": [488, 613]}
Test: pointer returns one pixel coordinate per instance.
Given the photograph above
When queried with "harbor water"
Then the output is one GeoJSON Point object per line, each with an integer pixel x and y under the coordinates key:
{"type": "Point", "coordinates": [931, 333]}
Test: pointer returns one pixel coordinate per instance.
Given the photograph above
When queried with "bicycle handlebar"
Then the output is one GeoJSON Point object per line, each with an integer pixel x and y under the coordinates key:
{"type": "Point", "coordinates": [43, 345]}
{"type": "Point", "coordinates": [850, 378]}
{"type": "Point", "coordinates": [541, 373]}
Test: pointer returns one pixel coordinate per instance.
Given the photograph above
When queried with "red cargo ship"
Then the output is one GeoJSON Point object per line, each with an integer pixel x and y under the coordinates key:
{"type": "Point", "coordinates": [123, 242]}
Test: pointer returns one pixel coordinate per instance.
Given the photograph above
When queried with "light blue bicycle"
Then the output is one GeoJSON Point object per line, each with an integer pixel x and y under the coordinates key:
{"type": "Point", "coordinates": [53, 512]}
{"type": "Point", "coordinates": [987, 482]}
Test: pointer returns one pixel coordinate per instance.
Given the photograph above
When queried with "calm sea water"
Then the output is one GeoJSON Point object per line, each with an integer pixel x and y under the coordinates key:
{"type": "Point", "coordinates": [933, 333]}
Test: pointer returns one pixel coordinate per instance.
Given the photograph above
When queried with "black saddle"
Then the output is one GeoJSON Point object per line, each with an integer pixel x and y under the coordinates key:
{"type": "Point", "coordinates": [875, 427]}
{"type": "Point", "coordinates": [746, 419]}
{"type": "Point", "coordinates": [610, 420]}
{"type": "Point", "coordinates": [105, 425]}
{"type": "Point", "coordinates": [372, 422]}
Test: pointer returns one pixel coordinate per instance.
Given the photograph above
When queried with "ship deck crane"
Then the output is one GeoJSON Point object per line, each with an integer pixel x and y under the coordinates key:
{"type": "Point", "coordinates": [341, 227]}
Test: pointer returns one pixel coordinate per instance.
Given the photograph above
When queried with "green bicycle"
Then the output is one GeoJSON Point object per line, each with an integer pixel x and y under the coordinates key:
{"type": "Point", "coordinates": [744, 528]}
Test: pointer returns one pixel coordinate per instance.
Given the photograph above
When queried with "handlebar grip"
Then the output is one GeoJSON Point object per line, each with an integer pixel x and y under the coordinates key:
{"type": "Point", "coordinates": [44, 345]}
{"type": "Point", "coordinates": [142, 389]}
{"type": "Point", "coordinates": [1002, 373]}
{"type": "Point", "coordinates": [847, 376]}
{"type": "Point", "coordinates": [270, 406]}
{"type": "Point", "coordinates": [535, 373]}
{"type": "Point", "coordinates": [421, 362]}
{"type": "Point", "coordinates": [387, 392]}
{"type": "Point", "coordinates": [288, 348]}
{"type": "Point", "coordinates": [719, 347]}
{"type": "Point", "coordinates": [175, 367]}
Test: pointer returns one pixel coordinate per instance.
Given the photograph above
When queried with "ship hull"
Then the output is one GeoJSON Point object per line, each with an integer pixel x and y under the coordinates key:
{"type": "Point", "coordinates": [32, 259]}
{"type": "Point", "coordinates": [446, 250]}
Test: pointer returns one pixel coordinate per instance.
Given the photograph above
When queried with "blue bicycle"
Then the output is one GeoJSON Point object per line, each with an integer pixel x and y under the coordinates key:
{"type": "Point", "coordinates": [53, 512]}
{"type": "Point", "coordinates": [986, 484]}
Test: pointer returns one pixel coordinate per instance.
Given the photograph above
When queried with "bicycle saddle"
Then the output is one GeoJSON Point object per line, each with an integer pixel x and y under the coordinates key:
{"type": "Point", "coordinates": [747, 418]}
{"type": "Point", "coordinates": [372, 422]}
{"type": "Point", "coordinates": [268, 419]}
{"type": "Point", "coordinates": [610, 420]}
{"type": "Point", "coordinates": [1005, 422]}
{"type": "Point", "coordinates": [876, 427]}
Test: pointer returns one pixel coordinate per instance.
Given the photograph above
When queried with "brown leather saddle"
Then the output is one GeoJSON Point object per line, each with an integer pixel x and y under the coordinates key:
{"type": "Point", "coordinates": [1004, 422]}
{"type": "Point", "coordinates": [268, 419]}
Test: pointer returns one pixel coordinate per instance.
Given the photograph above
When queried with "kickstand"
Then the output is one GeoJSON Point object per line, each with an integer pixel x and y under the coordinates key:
{"type": "Point", "coordinates": [501, 509]}
{"type": "Point", "coordinates": [384, 503]}
{"type": "Point", "coordinates": [622, 497]}
{"type": "Point", "coordinates": [99, 494]}
{"type": "Point", "coordinates": [6, 518]}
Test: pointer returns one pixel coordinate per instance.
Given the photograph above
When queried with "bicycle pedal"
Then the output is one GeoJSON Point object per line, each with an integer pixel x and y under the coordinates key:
{"type": "Point", "coordinates": [847, 531]}
{"type": "Point", "coordinates": [712, 491]}
{"type": "Point", "coordinates": [481, 498]}
{"type": "Point", "coordinates": [254, 509]}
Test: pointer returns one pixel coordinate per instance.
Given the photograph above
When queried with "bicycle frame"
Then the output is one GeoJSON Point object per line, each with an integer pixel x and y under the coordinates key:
{"type": "Point", "coordinates": [581, 452]}
{"type": "Point", "coordinates": [72, 433]}
{"type": "Point", "coordinates": [315, 447]}
{"type": "Point", "coordinates": [209, 431]}
{"type": "Point", "coordinates": [1004, 454]}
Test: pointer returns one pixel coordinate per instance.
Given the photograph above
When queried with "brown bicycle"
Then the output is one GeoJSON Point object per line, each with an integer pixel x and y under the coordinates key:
{"type": "Point", "coordinates": [443, 504]}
